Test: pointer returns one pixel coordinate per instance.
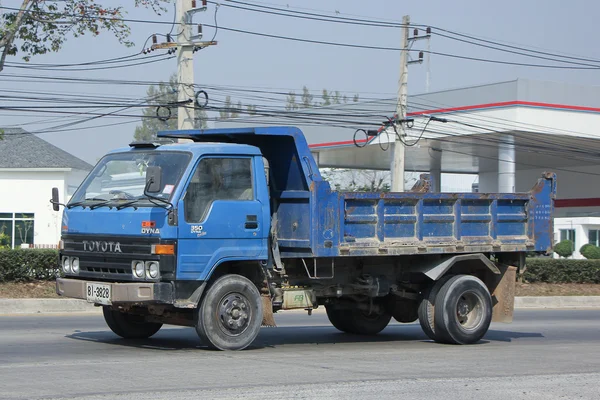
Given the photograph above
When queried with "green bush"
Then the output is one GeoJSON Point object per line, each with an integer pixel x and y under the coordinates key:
{"type": "Point", "coordinates": [25, 265]}
{"type": "Point", "coordinates": [550, 270]}
{"type": "Point", "coordinates": [590, 252]}
{"type": "Point", "coordinates": [585, 246]}
{"type": "Point", "coordinates": [564, 248]}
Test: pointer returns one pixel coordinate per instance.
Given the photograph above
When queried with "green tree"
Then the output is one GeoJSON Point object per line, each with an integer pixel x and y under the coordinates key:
{"type": "Point", "coordinates": [291, 104]}
{"type": "Point", "coordinates": [42, 26]}
{"type": "Point", "coordinates": [225, 112]}
{"type": "Point", "coordinates": [336, 97]}
{"type": "Point", "coordinates": [162, 94]}
{"type": "Point", "coordinates": [235, 111]}
{"type": "Point", "coordinates": [326, 98]}
{"type": "Point", "coordinates": [250, 109]}
{"type": "Point", "coordinates": [307, 98]}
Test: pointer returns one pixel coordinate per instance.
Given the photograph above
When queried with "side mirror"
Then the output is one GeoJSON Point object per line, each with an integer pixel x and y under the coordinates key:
{"type": "Point", "coordinates": [55, 202]}
{"type": "Point", "coordinates": [153, 179]}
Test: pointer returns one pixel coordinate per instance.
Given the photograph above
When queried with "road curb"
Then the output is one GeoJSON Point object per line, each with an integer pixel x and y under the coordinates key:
{"type": "Point", "coordinates": [39, 306]}
{"type": "Point", "coordinates": [557, 302]}
{"type": "Point", "coordinates": [43, 306]}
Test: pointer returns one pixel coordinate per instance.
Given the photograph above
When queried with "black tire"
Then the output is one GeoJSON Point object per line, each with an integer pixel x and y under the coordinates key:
{"type": "Point", "coordinates": [230, 314]}
{"type": "Point", "coordinates": [339, 317]}
{"type": "Point", "coordinates": [352, 320]}
{"type": "Point", "coordinates": [403, 310]}
{"type": "Point", "coordinates": [129, 326]}
{"type": "Point", "coordinates": [426, 310]}
{"type": "Point", "coordinates": [463, 310]}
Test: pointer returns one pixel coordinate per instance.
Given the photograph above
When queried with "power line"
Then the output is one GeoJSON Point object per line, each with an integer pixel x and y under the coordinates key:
{"type": "Point", "coordinates": [515, 52]}
{"type": "Point", "coordinates": [145, 62]}
{"type": "Point", "coordinates": [513, 47]}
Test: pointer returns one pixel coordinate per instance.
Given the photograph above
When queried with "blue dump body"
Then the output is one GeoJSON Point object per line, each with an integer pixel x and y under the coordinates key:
{"type": "Point", "coordinates": [313, 221]}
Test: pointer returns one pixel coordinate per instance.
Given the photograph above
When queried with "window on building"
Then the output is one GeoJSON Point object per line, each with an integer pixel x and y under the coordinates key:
{"type": "Point", "coordinates": [567, 234]}
{"type": "Point", "coordinates": [217, 179]}
{"type": "Point", "coordinates": [16, 229]}
{"type": "Point", "coordinates": [594, 237]}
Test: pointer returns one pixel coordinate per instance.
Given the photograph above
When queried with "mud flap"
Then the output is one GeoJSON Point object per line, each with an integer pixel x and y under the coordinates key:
{"type": "Point", "coordinates": [268, 317]}
{"type": "Point", "coordinates": [503, 294]}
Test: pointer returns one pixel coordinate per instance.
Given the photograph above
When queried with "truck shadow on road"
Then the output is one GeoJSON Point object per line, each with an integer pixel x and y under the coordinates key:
{"type": "Point", "coordinates": [186, 339]}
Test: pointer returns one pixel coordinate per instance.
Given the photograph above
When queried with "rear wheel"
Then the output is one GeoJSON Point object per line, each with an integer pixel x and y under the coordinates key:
{"type": "Point", "coordinates": [353, 320]}
{"type": "Point", "coordinates": [230, 314]}
{"type": "Point", "coordinates": [129, 326]}
{"type": "Point", "coordinates": [426, 310]}
{"type": "Point", "coordinates": [463, 310]}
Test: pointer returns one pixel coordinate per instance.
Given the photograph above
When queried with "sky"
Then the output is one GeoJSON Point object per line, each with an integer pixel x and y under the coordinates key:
{"type": "Point", "coordinates": [243, 60]}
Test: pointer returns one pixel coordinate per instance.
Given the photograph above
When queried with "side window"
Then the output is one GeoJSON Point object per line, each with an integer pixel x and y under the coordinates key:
{"type": "Point", "coordinates": [217, 179]}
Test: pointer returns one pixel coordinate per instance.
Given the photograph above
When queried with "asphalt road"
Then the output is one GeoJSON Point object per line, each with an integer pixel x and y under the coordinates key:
{"type": "Point", "coordinates": [546, 354]}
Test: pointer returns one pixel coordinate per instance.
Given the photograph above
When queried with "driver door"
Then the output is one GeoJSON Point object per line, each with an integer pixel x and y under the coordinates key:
{"type": "Point", "coordinates": [220, 218]}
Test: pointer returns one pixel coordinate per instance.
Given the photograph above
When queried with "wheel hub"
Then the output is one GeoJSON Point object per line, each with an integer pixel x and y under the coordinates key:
{"type": "Point", "coordinates": [463, 309]}
{"type": "Point", "coordinates": [469, 313]}
{"type": "Point", "coordinates": [232, 313]}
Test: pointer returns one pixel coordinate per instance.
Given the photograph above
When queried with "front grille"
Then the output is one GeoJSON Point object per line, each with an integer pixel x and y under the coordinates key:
{"type": "Point", "coordinates": [108, 265]}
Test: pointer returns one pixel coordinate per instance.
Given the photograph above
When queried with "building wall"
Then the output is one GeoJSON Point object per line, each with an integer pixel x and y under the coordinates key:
{"type": "Point", "coordinates": [30, 192]}
{"type": "Point", "coordinates": [74, 179]}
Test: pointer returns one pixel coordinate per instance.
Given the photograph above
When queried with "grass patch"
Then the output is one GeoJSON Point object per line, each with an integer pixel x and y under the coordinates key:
{"type": "Point", "coordinates": [29, 290]}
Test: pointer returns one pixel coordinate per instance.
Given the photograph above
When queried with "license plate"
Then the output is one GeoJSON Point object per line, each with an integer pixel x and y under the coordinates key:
{"type": "Point", "coordinates": [98, 293]}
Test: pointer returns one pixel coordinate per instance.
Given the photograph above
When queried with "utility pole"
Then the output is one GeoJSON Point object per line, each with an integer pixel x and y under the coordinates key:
{"type": "Point", "coordinates": [186, 45]}
{"type": "Point", "coordinates": [185, 67]}
{"type": "Point", "coordinates": [397, 167]}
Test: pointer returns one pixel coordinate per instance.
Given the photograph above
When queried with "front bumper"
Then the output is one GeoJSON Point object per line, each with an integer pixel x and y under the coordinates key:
{"type": "Point", "coordinates": [136, 293]}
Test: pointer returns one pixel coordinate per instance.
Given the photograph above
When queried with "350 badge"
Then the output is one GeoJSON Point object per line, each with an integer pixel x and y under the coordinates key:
{"type": "Point", "coordinates": [198, 230]}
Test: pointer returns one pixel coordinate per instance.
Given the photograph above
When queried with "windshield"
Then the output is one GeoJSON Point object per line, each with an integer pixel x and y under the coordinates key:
{"type": "Point", "coordinates": [121, 177]}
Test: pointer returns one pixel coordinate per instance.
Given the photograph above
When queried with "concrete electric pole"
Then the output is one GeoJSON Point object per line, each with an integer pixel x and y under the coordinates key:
{"type": "Point", "coordinates": [185, 66]}
{"type": "Point", "coordinates": [186, 45]}
{"type": "Point", "coordinates": [397, 167]}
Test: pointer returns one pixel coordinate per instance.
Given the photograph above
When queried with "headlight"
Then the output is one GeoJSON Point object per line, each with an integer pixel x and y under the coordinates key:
{"type": "Point", "coordinates": [138, 269]}
{"type": "Point", "coordinates": [75, 265]}
{"type": "Point", "coordinates": [153, 269]}
{"type": "Point", "coordinates": [66, 265]}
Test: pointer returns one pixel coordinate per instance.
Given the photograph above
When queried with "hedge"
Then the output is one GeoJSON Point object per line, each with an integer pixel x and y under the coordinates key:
{"type": "Point", "coordinates": [26, 265]}
{"type": "Point", "coordinates": [561, 270]}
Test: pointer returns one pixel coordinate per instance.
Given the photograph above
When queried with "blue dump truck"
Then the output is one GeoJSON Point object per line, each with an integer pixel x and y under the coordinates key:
{"type": "Point", "coordinates": [222, 230]}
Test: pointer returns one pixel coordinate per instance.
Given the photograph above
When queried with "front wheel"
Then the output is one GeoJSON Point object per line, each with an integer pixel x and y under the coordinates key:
{"type": "Point", "coordinates": [129, 326]}
{"type": "Point", "coordinates": [230, 314]}
{"type": "Point", "coordinates": [463, 310]}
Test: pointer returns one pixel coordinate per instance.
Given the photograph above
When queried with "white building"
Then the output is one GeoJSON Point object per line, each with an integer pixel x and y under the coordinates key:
{"type": "Point", "coordinates": [29, 168]}
{"type": "Point", "coordinates": [579, 230]}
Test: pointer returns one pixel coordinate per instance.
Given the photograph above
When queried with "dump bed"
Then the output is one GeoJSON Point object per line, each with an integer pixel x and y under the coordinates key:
{"type": "Point", "coordinates": [311, 220]}
{"type": "Point", "coordinates": [413, 223]}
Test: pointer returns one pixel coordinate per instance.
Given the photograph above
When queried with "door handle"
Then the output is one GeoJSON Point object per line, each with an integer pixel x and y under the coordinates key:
{"type": "Point", "coordinates": [251, 222]}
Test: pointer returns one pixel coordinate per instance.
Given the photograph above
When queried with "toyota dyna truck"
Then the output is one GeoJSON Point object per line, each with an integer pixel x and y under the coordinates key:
{"type": "Point", "coordinates": [222, 230]}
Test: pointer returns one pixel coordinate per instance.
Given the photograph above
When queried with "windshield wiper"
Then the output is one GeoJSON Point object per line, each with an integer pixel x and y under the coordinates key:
{"type": "Point", "coordinates": [83, 202]}
{"type": "Point", "coordinates": [129, 203]}
{"type": "Point", "coordinates": [97, 205]}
